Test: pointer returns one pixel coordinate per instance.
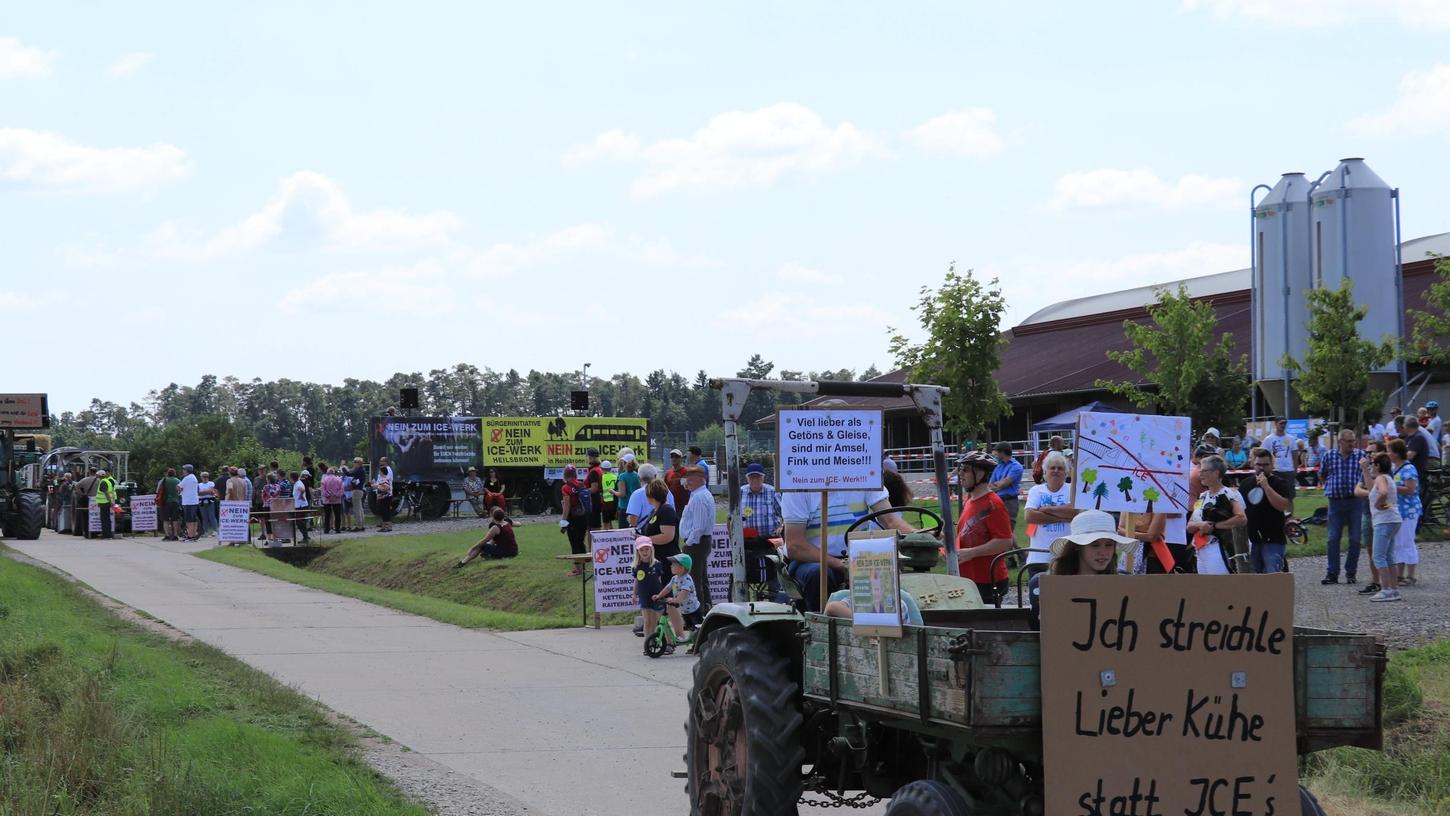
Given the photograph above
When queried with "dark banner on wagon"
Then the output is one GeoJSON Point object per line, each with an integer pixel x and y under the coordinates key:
{"type": "Point", "coordinates": [552, 442]}
{"type": "Point", "coordinates": [426, 449]}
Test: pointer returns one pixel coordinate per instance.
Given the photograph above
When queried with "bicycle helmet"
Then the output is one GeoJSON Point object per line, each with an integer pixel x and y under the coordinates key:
{"type": "Point", "coordinates": [981, 460]}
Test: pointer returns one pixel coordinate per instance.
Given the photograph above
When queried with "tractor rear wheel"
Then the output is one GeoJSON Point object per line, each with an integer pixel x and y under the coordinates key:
{"type": "Point", "coordinates": [743, 747]}
{"type": "Point", "coordinates": [29, 517]}
{"type": "Point", "coordinates": [1308, 805]}
{"type": "Point", "coordinates": [928, 797]}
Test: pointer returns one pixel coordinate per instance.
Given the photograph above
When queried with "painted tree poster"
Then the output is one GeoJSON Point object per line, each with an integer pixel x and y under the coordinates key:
{"type": "Point", "coordinates": [1132, 463]}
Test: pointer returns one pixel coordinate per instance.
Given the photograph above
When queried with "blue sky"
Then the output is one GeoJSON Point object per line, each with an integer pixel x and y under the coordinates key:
{"type": "Point", "coordinates": [326, 190]}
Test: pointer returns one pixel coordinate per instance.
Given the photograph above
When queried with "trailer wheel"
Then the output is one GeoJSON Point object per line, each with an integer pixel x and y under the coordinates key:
{"type": "Point", "coordinates": [743, 748]}
{"type": "Point", "coordinates": [928, 797]}
{"type": "Point", "coordinates": [29, 516]}
{"type": "Point", "coordinates": [1308, 804]}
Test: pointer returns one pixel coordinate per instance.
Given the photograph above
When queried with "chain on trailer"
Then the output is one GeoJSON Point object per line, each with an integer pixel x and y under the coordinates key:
{"type": "Point", "coordinates": [735, 391]}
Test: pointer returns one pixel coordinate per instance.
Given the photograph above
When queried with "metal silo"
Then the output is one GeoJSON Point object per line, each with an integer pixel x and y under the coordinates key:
{"type": "Point", "coordinates": [1281, 276]}
{"type": "Point", "coordinates": [1354, 234]}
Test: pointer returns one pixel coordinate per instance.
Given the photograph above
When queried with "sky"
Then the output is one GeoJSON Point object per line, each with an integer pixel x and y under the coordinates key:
{"type": "Point", "coordinates": [326, 190]}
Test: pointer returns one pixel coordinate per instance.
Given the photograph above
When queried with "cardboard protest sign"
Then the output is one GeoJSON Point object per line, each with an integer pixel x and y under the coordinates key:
{"type": "Point", "coordinates": [875, 583]}
{"type": "Point", "coordinates": [828, 449]}
{"type": "Point", "coordinates": [232, 516]}
{"type": "Point", "coordinates": [614, 580]}
{"type": "Point", "coordinates": [1133, 463]}
{"type": "Point", "coordinates": [143, 514]}
{"type": "Point", "coordinates": [1169, 695]}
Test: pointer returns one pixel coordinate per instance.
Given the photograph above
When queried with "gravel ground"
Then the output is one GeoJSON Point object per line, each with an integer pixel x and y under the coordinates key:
{"type": "Point", "coordinates": [1423, 616]}
{"type": "Point", "coordinates": [442, 790]}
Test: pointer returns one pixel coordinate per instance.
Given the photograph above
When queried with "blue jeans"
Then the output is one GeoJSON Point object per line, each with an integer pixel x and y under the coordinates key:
{"type": "Point", "coordinates": [1384, 544]}
{"type": "Point", "coordinates": [1345, 517]}
{"type": "Point", "coordinates": [808, 575]}
{"type": "Point", "coordinates": [1269, 558]}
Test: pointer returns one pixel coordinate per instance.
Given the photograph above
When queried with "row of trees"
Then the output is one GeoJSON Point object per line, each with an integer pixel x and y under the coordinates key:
{"type": "Point", "coordinates": [227, 420]}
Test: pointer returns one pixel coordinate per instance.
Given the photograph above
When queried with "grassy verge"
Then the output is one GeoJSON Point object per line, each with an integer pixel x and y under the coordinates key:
{"type": "Point", "coordinates": [414, 573]}
{"type": "Point", "coordinates": [1414, 769]}
{"type": "Point", "coordinates": [100, 717]}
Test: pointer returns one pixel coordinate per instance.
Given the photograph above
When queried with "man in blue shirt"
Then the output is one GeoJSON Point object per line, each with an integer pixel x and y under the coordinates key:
{"type": "Point", "coordinates": [1007, 479]}
{"type": "Point", "coordinates": [1339, 473]}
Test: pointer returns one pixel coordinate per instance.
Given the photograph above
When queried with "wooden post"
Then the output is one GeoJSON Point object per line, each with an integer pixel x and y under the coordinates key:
{"type": "Point", "coordinates": [883, 664]}
{"type": "Point", "coordinates": [825, 539]}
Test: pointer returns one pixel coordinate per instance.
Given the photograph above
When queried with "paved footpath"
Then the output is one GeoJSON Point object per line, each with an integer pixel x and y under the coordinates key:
{"type": "Point", "coordinates": [564, 721]}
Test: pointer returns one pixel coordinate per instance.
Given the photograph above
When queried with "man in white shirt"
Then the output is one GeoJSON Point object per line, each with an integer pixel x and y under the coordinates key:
{"type": "Point", "coordinates": [300, 502]}
{"type": "Point", "coordinates": [1282, 446]}
{"type": "Point", "coordinates": [190, 501]}
{"type": "Point", "coordinates": [697, 525]}
{"type": "Point", "coordinates": [801, 513]}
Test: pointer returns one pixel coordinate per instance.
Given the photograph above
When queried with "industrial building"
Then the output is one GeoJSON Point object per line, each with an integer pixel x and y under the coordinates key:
{"type": "Point", "coordinates": [1305, 234]}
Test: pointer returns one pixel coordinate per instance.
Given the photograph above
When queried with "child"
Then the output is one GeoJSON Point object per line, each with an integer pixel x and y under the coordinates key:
{"type": "Point", "coordinates": [649, 579]}
{"type": "Point", "coordinates": [683, 604]}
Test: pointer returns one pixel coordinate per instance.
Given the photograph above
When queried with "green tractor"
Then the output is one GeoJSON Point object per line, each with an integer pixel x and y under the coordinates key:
{"type": "Point", "coordinates": [22, 490]}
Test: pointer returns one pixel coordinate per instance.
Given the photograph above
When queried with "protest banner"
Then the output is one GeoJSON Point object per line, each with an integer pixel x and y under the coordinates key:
{"type": "Point", "coordinates": [24, 411]}
{"type": "Point", "coordinates": [1169, 696]}
{"type": "Point", "coordinates": [828, 449]}
{"type": "Point", "coordinates": [1133, 463]}
{"type": "Point", "coordinates": [553, 442]}
{"type": "Point", "coordinates": [426, 449]}
{"type": "Point", "coordinates": [614, 578]}
{"type": "Point", "coordinates": [232, 526]}
{"type": "Point", "coordinates": [719, 566]}
{"type": "Point", "coordinates": [875, 583]}
{"type": "Point", "coordinates": [93, 517]}
{"type": "Point", "coordinates": [143, 514]}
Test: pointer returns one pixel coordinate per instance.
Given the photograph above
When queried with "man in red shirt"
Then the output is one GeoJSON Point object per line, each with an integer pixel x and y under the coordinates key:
{"type": "Point", "coordinates": [673, 478]}
{"type": "Point", "coordinates": [984, 530]}
{"type": "Point", "coordinates": [595, 480]}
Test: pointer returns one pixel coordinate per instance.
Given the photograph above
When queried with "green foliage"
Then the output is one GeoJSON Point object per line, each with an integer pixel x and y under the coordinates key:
{"type": "Point", "coordinates": [1333, 379]}
{"type": "Point", "coordinates": [962, 350]}
{"type": "Point", "coordinates": [1430, 337]}
{"type": "Point", "coordinates": [98, 718]}
{"type": "Point", "coordinates": [1181, 370]}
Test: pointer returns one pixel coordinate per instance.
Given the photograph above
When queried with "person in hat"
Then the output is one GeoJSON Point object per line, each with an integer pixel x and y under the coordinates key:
{"type": "Point", "coordinates": [1089, 548]}
{"type": "Point", "coordinates": [984, 529]}
{"type": "Point", "coordinates": [594, 478]}
{"type": "Point", "coordinates": [105, 499]}
{"type": "Point", "coordinates": [626, 484]}
{"type": "Point", "coordinates": [679, 596]}
{"type": "Point", "coordinates": [609, 484]}
{"type": "Point", "coordinates": [473, 491]}
{"type": "Point", "coordinates": [574, 520]}
{"type": "Point", "coordinates": [650, 576]}
{"type": "Point", "coordinates": [697, 459]}
{"type": "Point", "coordinates": [672, 478]}
{"type": "Point", "coordinates": [760, 504]}
{"type": "Point", "coordinates": [697, 527]}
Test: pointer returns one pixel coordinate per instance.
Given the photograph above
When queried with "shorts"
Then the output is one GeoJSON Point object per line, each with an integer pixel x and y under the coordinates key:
{"type": "Point", "coordinates": [173, 512]}
{"type": "Point", "coordinates": [191, 513]}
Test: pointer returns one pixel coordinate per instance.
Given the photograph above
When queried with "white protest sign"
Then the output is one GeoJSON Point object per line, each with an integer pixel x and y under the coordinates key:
{"type": "Point", "coordinates": [143, 514]}
{"type": "Point", "coordinates": [719, 567]}
{"type": "Point", "coordinates": [232, 521]}
{"type": "Point", "coordinates": [876, 606]}
{"type": "Point", "coordinates": [614, 582]}
{"type": "Point", "coordinates": [94, 518]}
{"type": "Point", "coordinates": [1132, 463]}
{"type": "Point", "coordinates": [828, 449]}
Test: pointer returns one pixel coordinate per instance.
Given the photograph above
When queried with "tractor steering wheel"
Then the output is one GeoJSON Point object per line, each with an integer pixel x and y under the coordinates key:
{"type": "Point", "coordinates": [908, 508]}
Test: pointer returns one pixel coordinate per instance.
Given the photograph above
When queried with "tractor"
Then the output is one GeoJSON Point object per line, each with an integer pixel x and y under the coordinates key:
{"type": "Point", "coordinates": [22, 489]}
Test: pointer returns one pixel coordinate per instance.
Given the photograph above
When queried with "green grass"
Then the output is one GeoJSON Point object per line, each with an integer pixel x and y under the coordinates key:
{"type": "Point", "coordinates": [1414, 768]}
{"type": "Point", "coordinates": [100, 717]}
{"type": "Point", "coordinates": [414, 573]}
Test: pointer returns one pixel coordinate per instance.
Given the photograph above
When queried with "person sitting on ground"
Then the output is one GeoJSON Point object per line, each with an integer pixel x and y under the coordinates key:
{"type": "Point", "coordinates": [683, 605]}
{"type": "Point", "coordinates": [1090, 548]}
{"type": "Point", "coordinates": [649, 581]}
{"type": "Point", "coordinates": [498, 542]}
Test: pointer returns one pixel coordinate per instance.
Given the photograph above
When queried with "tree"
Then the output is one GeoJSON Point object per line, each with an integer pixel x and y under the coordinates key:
{"type": "Point", "coordinates": [1334, 377]}
{"type": "Point", "coordinates": [1125, 484]}
{"type": "Point", "coordinates": [1181, 371]}
{"type": "Point", "coordinates": [1431, 329]}
{"type": "Point", "coordinates": [1150, 495]}
{"type": "Point", "coordinates": [1089, 475]}
{"type": "Point", "coordinates": [962, 350]}
{"type": "Point", "coordinates": [1100, 493]}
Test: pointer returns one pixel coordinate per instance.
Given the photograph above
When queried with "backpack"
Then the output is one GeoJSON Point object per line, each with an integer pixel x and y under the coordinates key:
{"type": "Point", "coordinates": [583, 501]}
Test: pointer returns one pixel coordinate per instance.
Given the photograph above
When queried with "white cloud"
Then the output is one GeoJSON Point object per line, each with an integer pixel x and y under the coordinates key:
{"type": "Point", "coordinates": [797, 273]}
{"type": "Point", "coordinates": [1316, 13]}
{"type": "Point", "coordinates": [971, 133]}
{"type": "Point", "coordinates": [1140, 187]}
{"type": "Point", "coordinates": [47, 161]}
{"type": "Point", "coordinates": [128, 64]}
{"type": "Point", "coordinates": [435, 283]}
{"type": "Point", "coordinates": [310, 210]}
{"type": "Point", "coordinates": [23, 62]}
{"type": "Point", "coordinates": [1033, 283]}
{"type": "Point", "coordinates": [734, 150]}
{"type": "Point", "coordinates": [792, 316]}
{"type": "Point", "coordinates": [29, 301]}
{"type": "Point", "coordinates": [1422, 107]}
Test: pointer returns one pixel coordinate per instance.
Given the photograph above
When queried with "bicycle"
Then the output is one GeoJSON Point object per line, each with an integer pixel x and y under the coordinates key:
{"type": "Point", "coordinates": [662, 640]}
